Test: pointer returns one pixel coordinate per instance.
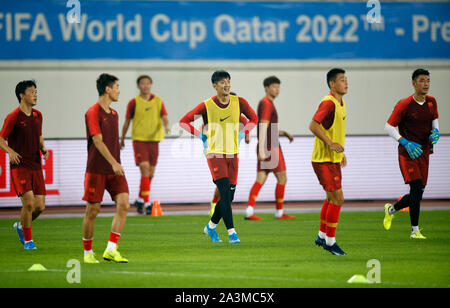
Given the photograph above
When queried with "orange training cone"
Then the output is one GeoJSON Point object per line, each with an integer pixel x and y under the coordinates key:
{"type": "Point", "coordinates": [406, 209]}
{"type": "Point", "coordinates": [156, 209]}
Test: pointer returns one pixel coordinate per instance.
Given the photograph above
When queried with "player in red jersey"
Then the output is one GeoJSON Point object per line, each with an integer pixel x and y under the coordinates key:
{"type": "Point", "coordinates": [103, 170]}
{"type": "Point", "coordinates": [221, 145]}
{"type": "Point", "coordinates": [149, 115]}
{"type": "Point", "coordinates": [23, 130]}
{"type": "Point", "coordinates": [270, 155]}
{"type": "Point", "coordinates": [418, 130]}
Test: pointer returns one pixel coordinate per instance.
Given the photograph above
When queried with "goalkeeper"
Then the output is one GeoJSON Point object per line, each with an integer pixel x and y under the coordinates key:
{"type": "Point", "coordinates": [418, 130]}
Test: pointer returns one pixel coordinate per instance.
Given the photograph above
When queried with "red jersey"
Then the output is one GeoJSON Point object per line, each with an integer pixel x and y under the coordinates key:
{"type": "Point", "coordinates": [414, 121]}
{"type": "Point", "coordinates": [23, 134]}
{"type": "Point", "coordinates": [98, 121]}
{"type": "Point", "coordinates": [268, 112]}
{"type": "Point", "coordinates": [244, 107]}
{"type": "Point", "coordinates": [325, 114]}
{"type": "Point", "coordinates": [131, 107]}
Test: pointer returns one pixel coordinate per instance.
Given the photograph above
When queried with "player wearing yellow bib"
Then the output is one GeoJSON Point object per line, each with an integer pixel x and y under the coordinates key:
{"type": "Point", "coordinates": [149, 116]}
{"type": "Point", "coordinates": [328, 125]}
{"type": "Point", "coordinates": [221, 115]}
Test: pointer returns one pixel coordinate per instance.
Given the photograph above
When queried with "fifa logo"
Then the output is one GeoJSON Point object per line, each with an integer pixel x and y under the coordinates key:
{"type": "Point", "coordinates": [74, 15]}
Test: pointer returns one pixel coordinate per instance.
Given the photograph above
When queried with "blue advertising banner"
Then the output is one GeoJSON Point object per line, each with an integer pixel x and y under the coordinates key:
{"type": "Point", "coordinates": [76, 29]}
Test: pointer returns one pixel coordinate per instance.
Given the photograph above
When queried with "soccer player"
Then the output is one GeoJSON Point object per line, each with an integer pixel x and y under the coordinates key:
{"type": "Point", "coordinates": [328, 126]}
{"type": "Point", "coordinates": [270, 155]}
{"type": "Point", "coordinates": [103, 170]}
{"type": "Point", "coordinates": [23, 130]}
{"type": "Point", "coordinates": [221, 146]}
{"type": "Point", "coordinates": [417, 119]}
{"type": "Point", "coordinates": [149, 115]}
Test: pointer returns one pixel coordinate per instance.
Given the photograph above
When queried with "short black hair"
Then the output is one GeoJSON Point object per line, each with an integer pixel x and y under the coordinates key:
{"type": "Point", "coordinates": [219, 75]}
{"type": "Point", "coordinates": [103, 81]}
{"type": "Point", "coordinates": [271, 80]}
{"type": "Point", "coordinates": [22, 86]}
{"type": "Point", "coordinates": [331, 75]}
{"type": "Point", "coordinates": [419, 71]}
{"type": "Point", "coordinates": [144, 77]}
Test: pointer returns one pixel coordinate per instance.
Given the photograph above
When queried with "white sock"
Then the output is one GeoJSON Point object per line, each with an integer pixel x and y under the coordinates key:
{"type": "Point", "coordinates": [330, 240]}
{"type": "Point", "coordinates": [140, 200]}
{"type": "Point", "coordinates": [147, 204]}
{"type": "Point", "coordinates": [249, 211]}
{"type": "Point", "coordinates": [86, 252]}
{"type": "Point", "coordinates": [279, 213]}
{"type": "Point", "coordinates": [415, 229]}
{"type": "Point", "coordinates": [111, 246]}
{"type": "Point", "coordinates": [231, 231]}
{"type": "Point", "coordinates": [391, 210]}
{"type": "Point", "coordinates": [212, 225]}
{"type": "Point", "coordinates": [322, 235]}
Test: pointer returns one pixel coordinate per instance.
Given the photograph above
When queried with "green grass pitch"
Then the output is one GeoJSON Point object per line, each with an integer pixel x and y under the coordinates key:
{"type": "Point", "coordinates": [172, 251]}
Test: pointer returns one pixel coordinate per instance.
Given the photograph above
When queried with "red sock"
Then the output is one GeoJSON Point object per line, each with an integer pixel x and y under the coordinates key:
{"type": "Point", "coordinates": [254, 193]}
{"type": "Point", "coordinates": [87, 244]}
{"type": "Point", "coordinates": [323, 217]}
{"type": "Point", "coordinates": [114, 237]}
{"type": "Point", "coordinates": [216, 198]}
{"type": "Point", "coordinates": [144, 192]}
{"type": "Point", "coordinates": [279, 195]}
{"type": "Point", "coordinates": [27, 234]}
{"type": "Point", "coordinates": [332, 219]}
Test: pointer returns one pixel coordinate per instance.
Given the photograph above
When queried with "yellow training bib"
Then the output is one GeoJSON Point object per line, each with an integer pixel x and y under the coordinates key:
{"type": "Point", "coordinates": [223, 127]}
{"type": "Point", "coordinates": [336, 133]}
{"type": "Point", "coordinates": [147, 124]}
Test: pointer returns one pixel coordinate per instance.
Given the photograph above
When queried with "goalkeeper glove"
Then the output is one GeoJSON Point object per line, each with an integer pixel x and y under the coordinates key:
{"type": "Point", "coordinates": [434, 137]}
{"type": "Point", "coordinates": [414, 149]}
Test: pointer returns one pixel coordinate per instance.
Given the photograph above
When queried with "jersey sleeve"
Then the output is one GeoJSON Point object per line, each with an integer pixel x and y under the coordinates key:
{"type": "Point", "coordinates": [326, 108]}
{"type": "Point", "coordinates": [8, 125]}
{"type": "Point", "coordinates": [266, 111]}
{"type": "Point", "coordinates": [131, 107]}
{"type": "Point", "coordinates": [398, 113]}
{"type": "Point", "coordinates": [185, 122]}
{"type": "Point", "coordinates": [163, 109]}
{"type": "Point", "coordinates": [92, 122]}
{"type": "Point", "coordinates": [435, 109]}
{"type": "Point", "coordinates": [249, 113]}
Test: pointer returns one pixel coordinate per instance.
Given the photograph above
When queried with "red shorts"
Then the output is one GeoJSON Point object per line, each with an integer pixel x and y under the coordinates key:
{"type": "Point", "coordinates": [414, 169]}
{"type": "Point", "coordinates": [95, 185]}
{"type": "Point", "coordinates": [24, 180]}
{"type": "Point", "coordinates": [274, 163]}
{"type": "Point", "coordinates": [329, 175]}
{"type": "Point", "coordinates": [146, 151]}
{"type": "Point", "coordinates": [223, 167]}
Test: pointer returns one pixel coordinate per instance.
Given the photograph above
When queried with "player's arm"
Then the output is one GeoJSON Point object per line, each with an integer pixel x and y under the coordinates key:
{"type": "Point", "coordinates": [13, 156]}
{"type": "Point", "coordinates": [164, 119]}
{"type": "Point", "coordinates": [326, 108]}
{"type": "Point", "coordinates": [131, 107]}
{"type": "Point", "coordinates": [103, 149]}
{"type": "Point", "coordinates": [262, 153]}
{"type": "Point", "coordinates": [434, 134]}
{"type": "Point", "coordinates": [283, 133]}
{"type": "Point", "coordinates": [10, 121]}
{"type": "Point", "coordinates": [244, 121]}
{"type": "Point", "coordinates": [43, 148]}
{"type": "Point", "coordinates": [125, 126]}
{"type": "Point", "coordinates": [185, 121]}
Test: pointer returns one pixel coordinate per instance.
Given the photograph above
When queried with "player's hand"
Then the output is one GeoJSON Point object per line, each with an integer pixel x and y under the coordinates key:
{"type": "Point", "coordinates": [263, 155]}
{"type": "Point", "coordinates": [344, 162]}
{"type": "Point", "coordinates": [167, 130]}
{"type": "Point", "coordinates": [434, 137]}
{"type": "Point", "coordinates": [337, 147]}
{"type": "Point", "coordinates": [45, 153]}
{"type": "Point", "coordinates": [14, 158]}
{"type": "Point", "coordinates": [118, 169]}
{"type": "Point", "coordinates": [414, 149]}
{"type": "Point", "coordinates": [122, 143]}
{"type": "Point", "coordinates": [290, 137]}
{"type": "Point", "coordinates": [247, 138]}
